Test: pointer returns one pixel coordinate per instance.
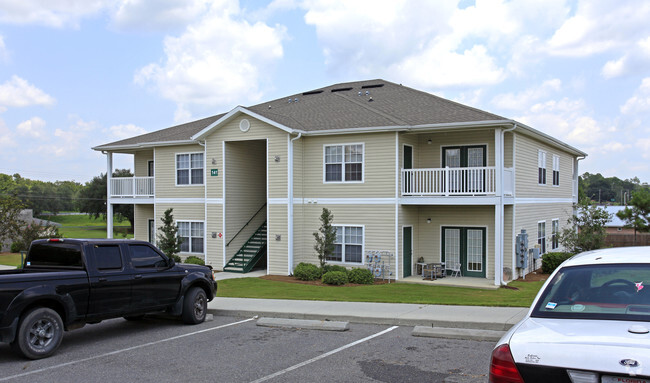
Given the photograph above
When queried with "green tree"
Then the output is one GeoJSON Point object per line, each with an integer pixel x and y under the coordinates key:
{"type": "Point", "coordinates": [638, 215]}
{"type": "Point", "coordinates": [586, 229]}
{"type": "Point", "coordinates": [168, 240]}
{"type": "Point", "coordinates": [92, 198]}
{"type": "Point", "coordinates": [325, 237]}
{"type": "Point", "coordinates": [10, 222]}
{"type": "Point", "coordinates": [33, 231]}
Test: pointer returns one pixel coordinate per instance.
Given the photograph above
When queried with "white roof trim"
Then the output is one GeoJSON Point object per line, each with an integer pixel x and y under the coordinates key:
{"type": "Point", "coordinates": [239, 109]}
{"type": "Point", "coordinates": [143, 145]}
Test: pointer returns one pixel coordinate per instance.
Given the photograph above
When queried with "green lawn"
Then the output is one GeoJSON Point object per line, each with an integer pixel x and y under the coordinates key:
{"type": "Point", "coordinates": [10, 259]}
{"type": "Point", "coordinates": [389, 293]}
{"type": "Point", "coordinates": [84, 226]}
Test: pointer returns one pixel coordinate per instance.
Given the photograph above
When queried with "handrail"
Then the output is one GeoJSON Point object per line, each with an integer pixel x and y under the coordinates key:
{"type": "Point", "coordinates": [246, 224]}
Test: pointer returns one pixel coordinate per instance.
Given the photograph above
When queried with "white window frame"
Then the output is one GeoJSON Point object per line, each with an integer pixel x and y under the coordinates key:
{"type": "Point", "coordinates": [541, 166]}
{"type": "Point", "coordinates": [190, 236]}
{"type": "Point", "coordinates": [189, 169]}
{"type": "Point", "coordinates": [342, 163]}
{"type": "Point", "coordinates": [343, 244]}
{"type": "Point", "coordinates": [556, 170]}
{"type": "Point", "coordinates": [541, 239]}
{"type": "Point", "coordinates": [555, 233]}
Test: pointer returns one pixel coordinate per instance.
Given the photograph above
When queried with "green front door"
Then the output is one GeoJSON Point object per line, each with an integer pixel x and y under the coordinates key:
{"type": "Point", "coordinates": [407, 241]}
{"type": "Point", "coordinates": [465, 245]}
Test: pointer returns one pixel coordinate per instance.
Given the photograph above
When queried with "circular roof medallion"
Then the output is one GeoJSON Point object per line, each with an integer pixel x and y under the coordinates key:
{"type": "Point", "coordinates": [244, 125]}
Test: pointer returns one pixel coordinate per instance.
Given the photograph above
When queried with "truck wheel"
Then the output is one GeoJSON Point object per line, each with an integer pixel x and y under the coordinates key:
{"type": "Point", "coordinates": [39, 333]}
{"type": "Point", "coordinates": [195, 306]}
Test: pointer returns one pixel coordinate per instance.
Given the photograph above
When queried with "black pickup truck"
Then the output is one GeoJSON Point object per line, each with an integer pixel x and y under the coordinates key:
{"type": "Point", "coordinates": [67, 283]}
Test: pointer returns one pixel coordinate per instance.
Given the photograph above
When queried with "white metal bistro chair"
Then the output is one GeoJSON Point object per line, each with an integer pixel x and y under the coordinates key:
{"type": "Point", "coordinates": [455, 270]}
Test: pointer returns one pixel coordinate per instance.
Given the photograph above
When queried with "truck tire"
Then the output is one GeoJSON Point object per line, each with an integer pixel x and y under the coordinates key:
{"type": "Point", "coordinates": [39, 333]}
{"type": "Point", "coordinates": [195, 306]}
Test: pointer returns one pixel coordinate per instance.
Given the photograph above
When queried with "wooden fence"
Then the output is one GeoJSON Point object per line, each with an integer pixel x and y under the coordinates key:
{"type": "Point", "coordinates": [620, 240]}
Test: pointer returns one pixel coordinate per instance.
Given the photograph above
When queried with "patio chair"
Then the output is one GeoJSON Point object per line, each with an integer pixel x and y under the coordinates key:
{"type": "Point", "coordinates": [455, 270]}
{"type": "Point", "coordinates": [432, 271]}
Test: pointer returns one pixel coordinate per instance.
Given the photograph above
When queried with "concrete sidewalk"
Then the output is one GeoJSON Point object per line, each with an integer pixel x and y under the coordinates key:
{"type": "Point", "coordinates": [459, 317]}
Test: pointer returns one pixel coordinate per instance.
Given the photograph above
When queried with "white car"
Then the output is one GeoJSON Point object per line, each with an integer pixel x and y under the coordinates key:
{"type": "Point", "coordinates": [590, 322]}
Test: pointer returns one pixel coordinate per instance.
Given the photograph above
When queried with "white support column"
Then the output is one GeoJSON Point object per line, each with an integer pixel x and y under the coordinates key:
{"type": "Point", "coordinates": [498, 208]}
{"type": "Point", "coordinates": [109, 205]}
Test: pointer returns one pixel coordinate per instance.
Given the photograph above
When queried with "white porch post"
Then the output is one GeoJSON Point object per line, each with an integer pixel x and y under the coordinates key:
{"type": "Point", "coordinates": [109, 205]}
{"type": "Point", "coordinates": [498, 208]}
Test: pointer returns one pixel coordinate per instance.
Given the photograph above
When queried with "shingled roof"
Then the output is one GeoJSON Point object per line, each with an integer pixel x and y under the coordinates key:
{"type": "Point", "coordinates": [371, 104]}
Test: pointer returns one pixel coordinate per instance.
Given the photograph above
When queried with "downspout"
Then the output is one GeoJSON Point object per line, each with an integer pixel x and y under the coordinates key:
{"type": "Point", "coordinates": [500, 258]}
{"type": "Point", "coordinates": [290, 207]}
{"type": "Point", "coordinates": [205, 201]}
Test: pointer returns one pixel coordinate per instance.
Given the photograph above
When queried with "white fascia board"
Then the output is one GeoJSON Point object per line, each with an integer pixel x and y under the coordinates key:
{"type": "Point", "coordinates": [144, 145]}
{"type": "Point", "coordinates": [239, 109]}
{"type": "Point", "coordinates": [554, 141]}
{"type": "Point", "coordinates": [414, 128]}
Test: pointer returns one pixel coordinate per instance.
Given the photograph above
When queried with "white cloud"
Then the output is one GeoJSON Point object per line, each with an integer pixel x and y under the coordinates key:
{"type": "Point", "coordinates": [524, 99]}
{"type": "Point", "coordinates": [640, 101]}
{"type": "Point", "coordinates": [51, 13]}
{"type": "Point", "coordinates": [635, 60]}
{"type": "Point", "coordinates": [17, 92]}
{"type": "Point", "coordinates": [599, 26]}
{"type": "Point", "coordinates": [77, 135]}
{"type": "Point", "coordinates": [119, 132]}
{"type": "Point", "coordinates": [33, 128]}
{"type": "Point", "coordinates": [4, 53]}
{"type": "Point", "coordinates": [157, 15]}
{"type": "Point", "coordinates": [6, 136]}
{"type": "Point", "coordinates": [218, 62]}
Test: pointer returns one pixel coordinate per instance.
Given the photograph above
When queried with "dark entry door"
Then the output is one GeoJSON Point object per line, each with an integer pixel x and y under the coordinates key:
{"type": "Point", "coordinates": [408, 164]}
{"type": "Point", "coordinates": [407, 246]}
{"type": "Point", "coordinates": [469, 180]}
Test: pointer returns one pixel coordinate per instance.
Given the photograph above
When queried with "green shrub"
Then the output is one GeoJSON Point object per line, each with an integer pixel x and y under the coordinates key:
{"type": "Point", "coordinates": [335, 278]}
{"type": "Point", "coordinates": [307, 272]}
{"type": "Point", "coordinates": [550, 261]}
{"type": "Point", "coordinates": [328, 268]}
{"type": "Point", "coordinates": [361, 276]}
{"type": "Point", "coordinates": [16, 247]}
{"type": "Point", "coordinates": [193, 259]}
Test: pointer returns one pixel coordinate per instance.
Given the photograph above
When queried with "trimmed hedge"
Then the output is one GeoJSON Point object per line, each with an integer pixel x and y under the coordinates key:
{"type": "Point", "coordinates": [550, 261]}
{"type": "Point", "coordinates": [194, 260]}
{"type": "Point", "coordinates": [328, 268]}
{"type": "Point", "coordinates": [335, 278]}
{"type": "Point", "coordinates": [307, 272]}
{"type": "Point", "coordinates": [361, 276]}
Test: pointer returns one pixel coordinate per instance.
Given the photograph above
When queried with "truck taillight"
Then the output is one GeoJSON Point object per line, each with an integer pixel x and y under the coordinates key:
{"type": "Point", "coordinates": [55, 240]}
{"type": "Point", "coordinates": [502, 366]}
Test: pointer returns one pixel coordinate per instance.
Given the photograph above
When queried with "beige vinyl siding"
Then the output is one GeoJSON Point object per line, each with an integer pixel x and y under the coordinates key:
{"type": "Point", "coordinates": [141, 215]}
{"type": "Point", "coordinates": [508, 241]}
{"type": "Point", "coordinates": [430, 155]}
{"type": "Point", "coordinates": [410, 140]}
{"type": "Point", "coordinates": [214, 246]}
{"type": "Point", "coordinates": [298, 167]}
{"type": "Point", "coordinates": [409, 216]}
{"type": "Point", "coordinates": [141, 163]}
{"type": "Point", "coordinates": [429, 234]}
{"type": "Point", "coordinates": [508, 148]}
{"type": "Point", "coordinates": [526, 174]}
{"type": "Point", "coordinates": [165, 173]}
{"type": "Point", "coordinates": [277, 249]}
{"type": "Point", "coordinates": [378, 167]}
{"type": "Point", "coordinates": [378, 222]}
{"type": "Point", "coordinates": [528, 215]}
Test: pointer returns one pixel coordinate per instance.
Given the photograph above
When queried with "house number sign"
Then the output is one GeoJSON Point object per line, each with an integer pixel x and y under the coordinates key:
{"type": "Point", "coordinates": [214, 172]}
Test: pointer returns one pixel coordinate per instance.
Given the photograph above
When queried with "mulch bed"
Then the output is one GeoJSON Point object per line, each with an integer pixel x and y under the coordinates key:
{"type": "Point", "coordinates": [290, 279]}
{"type": "Point", "coordinates": [535, 276]}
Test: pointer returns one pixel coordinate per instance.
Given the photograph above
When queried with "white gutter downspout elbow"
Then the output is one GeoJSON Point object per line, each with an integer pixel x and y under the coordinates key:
{"type": "Point", "coordinates": [290, 207]}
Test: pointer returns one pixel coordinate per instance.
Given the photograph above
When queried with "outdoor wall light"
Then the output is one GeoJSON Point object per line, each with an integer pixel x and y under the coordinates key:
{"type": "Point", "coordinates": [277, 158]}
{"type": "Point", "coordinates": [214, 234]}
{"type": "Point", "coordinates": [278, 237]}
{"type": "Point", "coordinates": [429, 141]}
{"type": "Point", "coordinates": [428, 220]}
{"type": "Point", "coordinates": [214, 161]}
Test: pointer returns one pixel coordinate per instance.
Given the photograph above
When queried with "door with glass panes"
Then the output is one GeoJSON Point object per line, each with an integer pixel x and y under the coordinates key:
{"type": "Point", "coordinates": [473, 158]}
{"type": "Point", "coordinates": [465, 246]}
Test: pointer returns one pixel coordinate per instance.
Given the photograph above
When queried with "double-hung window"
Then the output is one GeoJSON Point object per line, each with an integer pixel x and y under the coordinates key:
{"type": "Point", "coordinates": [344, 163]}
{"type": "Point", "coordinates": [348, 247]}
{"type": "Point", "coordinates": [189, 169]}
{"type": "Point", "coordinates": [555, 233]}
{"type": "Point", "coordinates": [191, 233]}
{"type": "Point", "coordinates": [541, 236]}
{"type": "Point", "coordinates": [556, 170]}
{"type": "Point", "coordinates": [541, 167]}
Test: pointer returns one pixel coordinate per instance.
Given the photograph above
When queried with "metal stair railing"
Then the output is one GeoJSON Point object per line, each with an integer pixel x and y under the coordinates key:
{"type": "Point", "coordinates": [242, 261]}
{"type": "Point", "coordinates": [246, 224]}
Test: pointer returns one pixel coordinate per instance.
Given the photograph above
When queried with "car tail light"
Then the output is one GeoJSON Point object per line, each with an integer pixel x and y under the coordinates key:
{"type": "Point", "coordinates": [502, 366]}
{"type": "Point", "coordinates": [55, 240]}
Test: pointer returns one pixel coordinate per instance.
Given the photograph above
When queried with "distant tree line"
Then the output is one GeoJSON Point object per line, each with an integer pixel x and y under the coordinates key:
{"type": "Point", "coordinates": [610, 190]}
{"type": "Point", "coordinates": [55, 197]}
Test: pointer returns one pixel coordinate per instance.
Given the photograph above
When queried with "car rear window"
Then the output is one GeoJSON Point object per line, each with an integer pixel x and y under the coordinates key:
{"type": "Point", "coordinates": [611, 292]}
{"type": "Point", "coordinates": [54, 254]}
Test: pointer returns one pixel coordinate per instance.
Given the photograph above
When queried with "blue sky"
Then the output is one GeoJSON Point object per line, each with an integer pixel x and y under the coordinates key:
{"type": "Point", "coordinates": [79, 73]}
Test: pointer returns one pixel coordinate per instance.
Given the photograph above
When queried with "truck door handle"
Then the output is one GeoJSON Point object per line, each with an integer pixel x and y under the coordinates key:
{"type": "Point", "coordinates": [138, 276]}
{"type": "Point", "coordinates": [103, 279]}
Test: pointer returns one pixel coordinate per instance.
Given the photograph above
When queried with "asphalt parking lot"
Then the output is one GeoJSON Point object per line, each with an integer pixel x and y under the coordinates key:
{"type": "Point", "coordinates": [230, 349]}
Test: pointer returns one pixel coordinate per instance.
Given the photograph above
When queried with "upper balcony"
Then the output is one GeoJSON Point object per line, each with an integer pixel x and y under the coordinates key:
{"type": "Point", "coordinates": [445, 182]}
{"type": "Point", "coordinates": [132, 187]}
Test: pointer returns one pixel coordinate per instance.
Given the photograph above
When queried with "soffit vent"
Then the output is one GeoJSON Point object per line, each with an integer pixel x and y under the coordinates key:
{"type": "Point", "coordinates": [312, 92]}
{"type": "Point", "coordinates": [340, 89]}
{"type": "Point", "coordinates": [372, 86]}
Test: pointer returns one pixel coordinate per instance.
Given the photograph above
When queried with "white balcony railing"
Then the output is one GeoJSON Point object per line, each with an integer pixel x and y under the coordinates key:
{"type": "Point", "coordinates": [132, 187]}
{"type": "Point", "coordinates": [453, 181]}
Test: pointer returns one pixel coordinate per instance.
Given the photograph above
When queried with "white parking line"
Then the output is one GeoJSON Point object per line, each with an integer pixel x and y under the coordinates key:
{"type": "Point", "coordinates": [325, 355]}
{"type": "Point", "coordinates": [123, 350]}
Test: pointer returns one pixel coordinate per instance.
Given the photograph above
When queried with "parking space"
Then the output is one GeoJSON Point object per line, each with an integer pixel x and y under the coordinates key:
{"type": "Point", "coordinates": [234, 350]}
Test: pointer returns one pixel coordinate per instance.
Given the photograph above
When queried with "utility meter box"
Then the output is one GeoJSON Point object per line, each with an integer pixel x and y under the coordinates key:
{"type": "Point", "coordinates": [521, 249]}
